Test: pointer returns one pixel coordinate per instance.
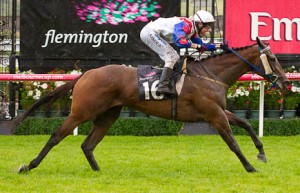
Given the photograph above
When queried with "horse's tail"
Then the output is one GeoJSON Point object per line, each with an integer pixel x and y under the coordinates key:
{"type": "Point", "coordinates": [48, 98]}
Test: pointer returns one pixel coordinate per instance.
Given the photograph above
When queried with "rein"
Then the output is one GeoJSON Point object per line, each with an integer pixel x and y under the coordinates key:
{"type": "Point", "coordinates": [272, 77]}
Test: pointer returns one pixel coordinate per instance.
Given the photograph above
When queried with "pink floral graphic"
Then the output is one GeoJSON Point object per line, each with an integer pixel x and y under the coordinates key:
{"type": "Point", "coordinates": [117, 11]}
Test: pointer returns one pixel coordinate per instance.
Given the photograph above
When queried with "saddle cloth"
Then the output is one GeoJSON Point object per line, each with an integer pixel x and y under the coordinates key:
{"type": "Point", "coordinates": [148, 79]}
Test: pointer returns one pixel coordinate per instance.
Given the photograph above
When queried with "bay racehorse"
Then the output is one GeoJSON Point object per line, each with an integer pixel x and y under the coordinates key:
{"type": "Point", "coordinates": [99, 95]}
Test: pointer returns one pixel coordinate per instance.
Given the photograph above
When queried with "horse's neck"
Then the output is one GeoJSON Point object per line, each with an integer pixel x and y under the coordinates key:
{"type": "Point", "coordinates": [228, 67]}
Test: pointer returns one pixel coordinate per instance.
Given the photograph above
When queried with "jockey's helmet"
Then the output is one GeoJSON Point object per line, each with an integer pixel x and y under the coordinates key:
{"type": "Point", "coordinates": [204, 16]}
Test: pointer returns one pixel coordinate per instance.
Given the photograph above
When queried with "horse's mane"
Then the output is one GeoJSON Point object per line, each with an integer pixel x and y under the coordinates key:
{"type": "Point", "coordinates": [221, 54]}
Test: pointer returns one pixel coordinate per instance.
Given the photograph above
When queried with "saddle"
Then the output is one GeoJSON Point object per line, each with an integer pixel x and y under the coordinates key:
{"type": "Point", "coordinates": [148, 79]}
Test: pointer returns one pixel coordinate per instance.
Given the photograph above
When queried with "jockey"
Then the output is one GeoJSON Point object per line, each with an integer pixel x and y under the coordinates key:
{"type": "Point", "coordinates": [183, 33]}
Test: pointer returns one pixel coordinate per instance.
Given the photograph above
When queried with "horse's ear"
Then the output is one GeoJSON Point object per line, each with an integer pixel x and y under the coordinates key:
{"type": "Point", "coordinates": [260, 43]}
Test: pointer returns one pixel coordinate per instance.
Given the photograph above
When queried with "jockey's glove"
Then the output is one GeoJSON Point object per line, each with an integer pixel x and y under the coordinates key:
{"type": "Point", "coordinates": [224, 46]}
{"type": "Point", "coordinates": [201, 48]}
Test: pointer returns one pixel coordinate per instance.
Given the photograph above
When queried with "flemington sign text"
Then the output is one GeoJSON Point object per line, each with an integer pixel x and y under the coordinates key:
{"type": "Point", "coordinates": [52, 37]}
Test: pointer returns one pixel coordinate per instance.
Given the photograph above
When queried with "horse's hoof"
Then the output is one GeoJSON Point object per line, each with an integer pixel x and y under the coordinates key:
{"type": "Point", "coordinates": [251, 170]}
{"type": "Point", "coordinates": [262, 157]}
{"type": "Point", "coordinates": [23, 169]}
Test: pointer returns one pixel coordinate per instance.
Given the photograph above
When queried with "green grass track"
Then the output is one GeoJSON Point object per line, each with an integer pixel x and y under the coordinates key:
{"type": "Point", "coordinates": [183, 164]}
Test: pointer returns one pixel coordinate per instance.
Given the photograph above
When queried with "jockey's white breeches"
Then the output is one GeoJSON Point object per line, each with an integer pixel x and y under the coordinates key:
{"type": "Point", "coordinates": [160, 46]}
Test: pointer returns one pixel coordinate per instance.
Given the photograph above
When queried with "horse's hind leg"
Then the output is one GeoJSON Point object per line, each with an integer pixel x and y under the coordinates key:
{"type": "Point", "coordinates": [235, 120]}
{"type": "Point", "coordinates": [66, 129]}
{"type": "Point", "coordinates": [101, 124]}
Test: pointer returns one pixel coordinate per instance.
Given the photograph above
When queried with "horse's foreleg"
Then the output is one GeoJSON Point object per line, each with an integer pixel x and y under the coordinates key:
{"type": "Point", "coordinates": [235, 120]}
{"type": "Point", "coordinates": [222, 125]}
{"type": "Point", "coordinates": [101, 124]}
{"type": "Point", "coordinates": [63, 131]}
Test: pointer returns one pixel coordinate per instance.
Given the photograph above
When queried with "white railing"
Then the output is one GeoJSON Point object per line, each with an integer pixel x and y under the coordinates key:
{"type": "Point", "coordinates": [69, 77]}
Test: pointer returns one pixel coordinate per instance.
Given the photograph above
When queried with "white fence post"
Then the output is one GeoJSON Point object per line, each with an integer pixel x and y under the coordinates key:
{"type": "Point", "coordinates": [261, 108]}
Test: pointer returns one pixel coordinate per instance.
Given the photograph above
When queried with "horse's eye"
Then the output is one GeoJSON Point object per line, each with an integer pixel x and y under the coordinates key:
{"type": "Point", "coordinates": [272, 59]}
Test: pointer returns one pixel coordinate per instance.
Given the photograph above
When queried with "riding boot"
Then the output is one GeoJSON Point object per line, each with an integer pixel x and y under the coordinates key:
{"type": "Point", "coordinates": [166, 83]}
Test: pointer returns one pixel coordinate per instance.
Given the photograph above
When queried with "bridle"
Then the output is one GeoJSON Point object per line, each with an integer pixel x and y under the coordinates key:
{"type": "Point", "coordinates": [273, 77]}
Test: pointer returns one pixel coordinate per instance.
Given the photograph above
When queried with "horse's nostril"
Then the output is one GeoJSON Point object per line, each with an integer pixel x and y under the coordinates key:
{"type": "Point", "coordinates": [287, 84]}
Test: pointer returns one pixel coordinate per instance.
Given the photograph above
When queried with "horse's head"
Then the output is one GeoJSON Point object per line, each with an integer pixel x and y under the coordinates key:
{"type": "Point", "coordinates": [273, 73]}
